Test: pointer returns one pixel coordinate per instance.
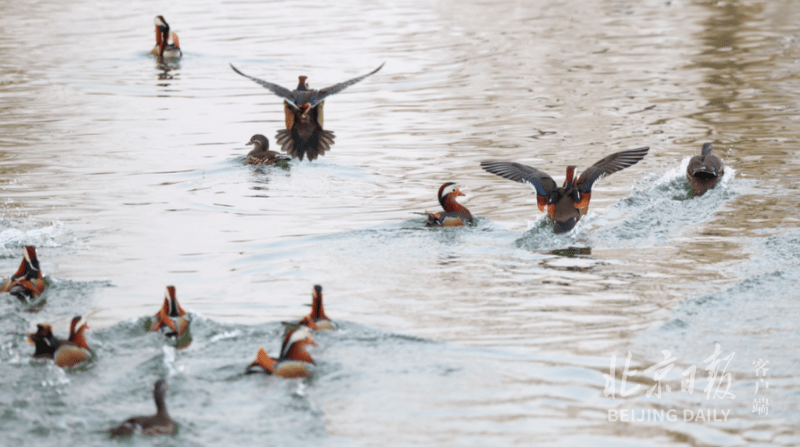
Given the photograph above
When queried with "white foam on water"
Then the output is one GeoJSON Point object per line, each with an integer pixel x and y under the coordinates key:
{"type": "Point", "coordinates": [12, 239]}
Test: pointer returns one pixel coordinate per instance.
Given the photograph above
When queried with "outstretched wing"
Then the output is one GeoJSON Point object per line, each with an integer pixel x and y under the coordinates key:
{"type": "Point", "coordinates": [609, 165]}
{"type": "Point", "coordinates": [532, 177]}
{"type": "Point", "coordinates": [334, 89]}
{"type": "Point", "coordinates": [283, 92]}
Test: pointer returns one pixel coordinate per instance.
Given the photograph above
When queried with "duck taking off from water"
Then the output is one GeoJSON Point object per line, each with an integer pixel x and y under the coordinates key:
{"type": "Point", "coordinates": [261, 155]}
{"type": "Point", "coordinates": [565, 205]}
{"type": "Point", "coordinates": [163, 47]}
{"type": "Point", "coordinates": [293, 361]}
{"type": "Point", "coordinates": [158, 424]}
{"type": "Point", "coordinates": [303, 108]}
{"type": "Point", "coordinates": [28, 282]}
{"type": "Point", "coordinates": [455, 214]}
{"type": "Point", "coordinates": [704, 170]}
{"type": "Point", "coordinates": [65, 353]}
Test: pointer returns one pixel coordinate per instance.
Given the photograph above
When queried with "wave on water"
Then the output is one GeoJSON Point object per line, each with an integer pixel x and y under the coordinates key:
{"type": "Point", "coordinates": [14, 236]}
{"type": "Point", "coordinates": [660, 211]}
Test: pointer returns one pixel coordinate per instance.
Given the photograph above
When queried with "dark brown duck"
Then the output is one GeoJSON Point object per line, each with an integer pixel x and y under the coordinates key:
{"type": "Point", "coordinates": [159, 424]}
{"type": "Point", "coordinates": [704, 170]}
{"type": "Point", "coordinates": [261, 155]}
{"type": "Point", "coordinates": [565, 205]}
{"type": "Point", "coordinates": [303, 107]}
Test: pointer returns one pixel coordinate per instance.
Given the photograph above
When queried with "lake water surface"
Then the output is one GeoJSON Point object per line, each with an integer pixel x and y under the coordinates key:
{"type": "Point", "coordinates": [129, 175]}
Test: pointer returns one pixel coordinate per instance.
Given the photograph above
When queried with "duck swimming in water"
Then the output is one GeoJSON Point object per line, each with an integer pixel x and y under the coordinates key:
{"type": "Point", "coordinates": [293, 361]}
{"type": "Point", "coordinates": [261, 155]}
{"type": "Point", "coordinates": [65, 353]}
{"type": "Point", "coordinates": [317, 316]}
{"type": "Point", "coordinates": [303, 108]}
{"type": "Point", "coordinates": [704, 170]}
{"type": "Point", "coordinates": [159, 424]}
{"type": "Point", "coordinates": [163, 48]}
{"type": "Point", "coordinates": [171, 316]}
{"type": "Point", "coordinates": [454, 215]}
{"type": "Point", "coordinates": [28, 282]}
{"type": "Point", "coordinates": [565, 205]}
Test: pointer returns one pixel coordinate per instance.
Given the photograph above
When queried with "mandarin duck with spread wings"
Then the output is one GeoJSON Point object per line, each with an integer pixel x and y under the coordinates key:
{"type": "Point", "coordinates": [303, 108]}
{"type": "Point", "coordinates": [565, 205]}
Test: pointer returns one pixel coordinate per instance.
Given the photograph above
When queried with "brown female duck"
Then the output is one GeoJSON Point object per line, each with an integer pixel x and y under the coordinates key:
{"type": "Point", "coordinates": [65, 353]}
{"type": "Point", "coordinates": [303, 108]}
{"type": "Point", "coordinates": [158, 424]}
{"type": "Point", "coordinates": [293, 361]}
{"type": "Point", "coordinates": [163, 48]}
{"type": "Point", "coordinates": [28, 282]}
{"type": "Point", "coordinates": [261, 155]}
{"type": "Point", "coordinates": [170, 316]}
{"type": "Point", "coordinates": [567, 204]}
{"type": "Point", "coordinates": [454, 215]}
{"type": "Point", "coordinates": [704, 170]}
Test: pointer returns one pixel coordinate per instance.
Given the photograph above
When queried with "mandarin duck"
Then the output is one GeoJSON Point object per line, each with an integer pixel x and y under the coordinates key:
{"type": "Point", "coordinates": [170, 316]}
{"type": "Point", "coordinates": [293, 360]}
{"type": "Point", "coordinates": [303, 109]}
{"type": "Point", "coordinates": [565, 205]}
{"type": "Point", "coordinates": [454, 215]}
{"type": "Point", "coordinates": [65, 353]}
{"type": "Point", "coordinates": [163, 48]}
{"type": "Point", "coordinates": [317, 318]}
{"type": "Point", "coordinates": [28, 282]}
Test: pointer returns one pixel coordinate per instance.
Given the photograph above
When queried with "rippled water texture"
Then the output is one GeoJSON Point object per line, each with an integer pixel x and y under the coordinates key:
{"type": "Point", "coordinates": [129, 175]}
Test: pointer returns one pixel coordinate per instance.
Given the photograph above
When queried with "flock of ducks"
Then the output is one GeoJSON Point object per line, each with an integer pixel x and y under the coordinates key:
{"type": "Point", "coordinates": [305, 136]}
{"type": "Point", "coordinates": [293, 360]}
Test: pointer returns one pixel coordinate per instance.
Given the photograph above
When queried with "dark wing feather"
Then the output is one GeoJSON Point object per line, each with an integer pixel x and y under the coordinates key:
{"type": "Point", "coordinates": [283, 92]}
{"type": "Point", "coordinates": [707, 148]}
{"type": "Point", "coordinates": [609, 165]}
{"type": "Point", "coordinates": [293, 143]}
{"type": "Point", "coordinates": [334, 89]}
{"type": "Point", "coordinates": [533, 177]}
